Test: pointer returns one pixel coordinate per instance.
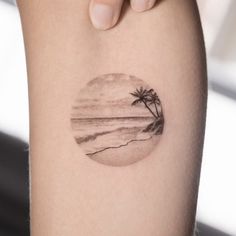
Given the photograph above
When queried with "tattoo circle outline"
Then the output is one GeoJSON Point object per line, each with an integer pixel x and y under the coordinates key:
{"type": "Point", "coordinates": [117, 119]}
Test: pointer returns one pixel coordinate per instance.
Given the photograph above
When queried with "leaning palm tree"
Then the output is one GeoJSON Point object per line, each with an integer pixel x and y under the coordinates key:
{"type": "Point", "coordinates": [149, 97]}
{"type": "Point", "coordinates": [154, 99]}
{"type": "Point", "coordinates": [143, 96]}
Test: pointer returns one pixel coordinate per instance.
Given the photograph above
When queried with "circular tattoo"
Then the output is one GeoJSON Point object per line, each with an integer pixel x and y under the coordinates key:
{"type": "Point", "coordinates": [117, 119]}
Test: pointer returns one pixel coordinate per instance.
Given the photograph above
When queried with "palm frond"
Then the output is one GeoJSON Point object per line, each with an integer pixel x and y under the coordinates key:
{"type": "Point", "coordinates": [135, 94]}
{"type": "Point", "coordinates": [136, 102]}
{"type": "Point", "coordinates": [151, 90]}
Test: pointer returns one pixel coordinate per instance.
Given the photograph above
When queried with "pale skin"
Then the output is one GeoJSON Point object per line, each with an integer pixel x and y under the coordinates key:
{"type": "Point", "coordinates": [74, 195]}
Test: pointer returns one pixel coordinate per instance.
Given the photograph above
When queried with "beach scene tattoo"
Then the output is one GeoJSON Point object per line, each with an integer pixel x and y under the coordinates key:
{"type": "Point", "coordinates": [117, 119]}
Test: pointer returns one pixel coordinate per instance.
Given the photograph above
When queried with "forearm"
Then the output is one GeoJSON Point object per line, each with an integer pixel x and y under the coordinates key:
{"type": "Point", "coordinates": [71, 193]}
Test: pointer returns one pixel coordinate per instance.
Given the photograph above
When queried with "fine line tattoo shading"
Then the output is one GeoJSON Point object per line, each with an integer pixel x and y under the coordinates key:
{"type": "Point", "coordinates": [122, 145]}
{"type": "Point", "coordinates": [117, 119]}
{"type": "Point", "coordinates": [148, 98]}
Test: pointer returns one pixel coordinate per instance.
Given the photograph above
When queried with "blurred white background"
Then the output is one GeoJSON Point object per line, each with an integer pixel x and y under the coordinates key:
{"type": "Point", "coordinates": [217, 196]}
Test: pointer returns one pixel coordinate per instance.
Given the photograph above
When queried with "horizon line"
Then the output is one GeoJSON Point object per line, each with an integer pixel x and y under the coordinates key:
{"type": "Point", "coordinates": [112, 117]}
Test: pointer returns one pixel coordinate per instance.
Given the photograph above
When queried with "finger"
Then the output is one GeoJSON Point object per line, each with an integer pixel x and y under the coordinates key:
{"type": "Point", "coordinates": [104, 14]}
{"type": "Point", "coordinates": [142, 5]}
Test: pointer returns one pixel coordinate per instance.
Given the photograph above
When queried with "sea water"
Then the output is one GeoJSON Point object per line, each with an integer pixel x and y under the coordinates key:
{"type": "Point", "coordinates": [97, 134]}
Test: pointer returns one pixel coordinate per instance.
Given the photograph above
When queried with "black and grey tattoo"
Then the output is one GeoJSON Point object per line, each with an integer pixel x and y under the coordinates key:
{"type": "Point", "coordinates": [117, 119]}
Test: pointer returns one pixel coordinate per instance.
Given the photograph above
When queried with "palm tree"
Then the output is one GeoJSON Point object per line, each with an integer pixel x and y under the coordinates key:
{"type": "Point", "coordinates": [154, 99]}
{"type": "Point", "coordinates": [149, 97]}
{"type": "Point", "coordinates": [143, 96]}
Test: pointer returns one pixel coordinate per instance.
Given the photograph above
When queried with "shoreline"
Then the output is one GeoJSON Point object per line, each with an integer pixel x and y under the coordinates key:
{"type": "Point", "coordinates": [128, 154]}
{"type": "Point", "coordinates": [120, 146]}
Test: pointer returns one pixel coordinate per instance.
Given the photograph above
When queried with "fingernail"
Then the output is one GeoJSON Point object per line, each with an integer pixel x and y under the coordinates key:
{"type": "Point", "coordinates": [140, 5]}
{"type": "Point", "coordinates": [102, 16]}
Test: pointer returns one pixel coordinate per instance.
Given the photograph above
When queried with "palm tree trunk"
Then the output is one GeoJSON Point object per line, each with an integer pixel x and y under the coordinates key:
{"type": "Point", "coordinates": [150, 109]}
{"type": "Point", "coordinates": [156, 109]}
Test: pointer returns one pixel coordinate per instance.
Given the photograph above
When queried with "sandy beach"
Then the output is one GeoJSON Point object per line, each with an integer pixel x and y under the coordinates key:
{"type": "Point", "coordinates": [121, 157]}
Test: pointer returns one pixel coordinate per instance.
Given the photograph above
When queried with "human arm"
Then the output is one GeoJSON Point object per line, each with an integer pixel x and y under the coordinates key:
{"type": "Point", "coordinates": [74, 195]}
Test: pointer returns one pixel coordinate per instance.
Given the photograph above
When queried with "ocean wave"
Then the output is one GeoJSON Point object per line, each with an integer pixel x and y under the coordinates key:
{"type": "Point", "coordinates": [92, 137]}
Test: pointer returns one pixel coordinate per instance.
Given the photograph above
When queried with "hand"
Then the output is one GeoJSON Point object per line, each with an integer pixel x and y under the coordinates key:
{"type": "Point", "coordinates": [104, 14]}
